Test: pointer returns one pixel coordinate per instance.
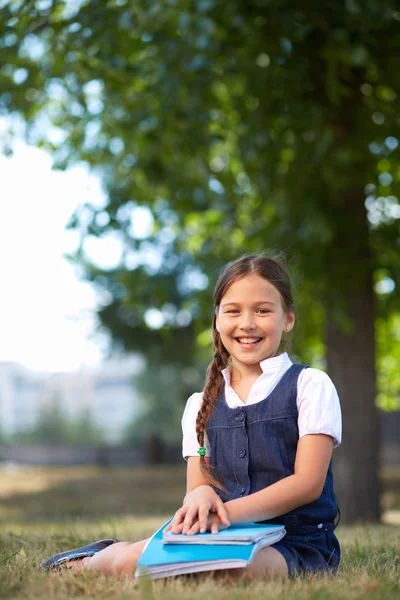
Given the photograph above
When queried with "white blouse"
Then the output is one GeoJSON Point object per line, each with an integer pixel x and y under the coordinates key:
{"type": "Point", "coordinates": [317, 402]}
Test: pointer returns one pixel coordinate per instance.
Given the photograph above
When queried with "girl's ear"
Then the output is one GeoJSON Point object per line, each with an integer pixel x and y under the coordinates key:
{"type": "Point", "coordinates": [217, 323]}
{"type": "Point", "coordinates": [289, 320]}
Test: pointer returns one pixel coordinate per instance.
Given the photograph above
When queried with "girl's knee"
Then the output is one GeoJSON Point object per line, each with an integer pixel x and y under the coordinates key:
{"type": "Point", "coordinates": [269, 564]}
{"type": "Point", "coordinates": [118, 559]}
{"type": "Point", "coordinates": [127, 557]}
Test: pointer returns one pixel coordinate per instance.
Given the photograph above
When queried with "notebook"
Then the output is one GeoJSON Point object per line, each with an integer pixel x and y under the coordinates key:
{"type": "Point", "coordinates": [250, 533]}
{"type": "Point", "coordinates": [160, 559]}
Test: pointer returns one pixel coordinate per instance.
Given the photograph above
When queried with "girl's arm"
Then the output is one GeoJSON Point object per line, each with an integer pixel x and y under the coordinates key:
{"type": "Point", "coordinates": [194, 476]}
{"type": "Point", "coordinates": [200, 499]}
{"type": "Point", "coordinates": [314, 452]}
{"type": "Point", "coordinates": [313, 456]}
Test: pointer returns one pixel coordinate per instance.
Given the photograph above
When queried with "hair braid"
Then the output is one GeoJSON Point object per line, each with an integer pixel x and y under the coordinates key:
{"type": "Point", "coordinates": [212, 389]}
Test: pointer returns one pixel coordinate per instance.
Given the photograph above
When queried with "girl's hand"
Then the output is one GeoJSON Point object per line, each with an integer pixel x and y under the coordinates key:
{"type": "Point", "coordinates": [214, 524]}
{"type": "Point", "coordinates": [196, 507]}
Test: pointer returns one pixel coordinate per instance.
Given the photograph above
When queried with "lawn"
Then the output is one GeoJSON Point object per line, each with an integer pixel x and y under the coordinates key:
{"type": "Point", "coordinates": [43, 511]}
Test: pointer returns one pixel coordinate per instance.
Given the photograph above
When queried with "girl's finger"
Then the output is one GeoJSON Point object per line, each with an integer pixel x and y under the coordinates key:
{"type": "Point", "coordinates": [179, 515]}
{"type": "Point", "coordinates": [171, 523]}
{"type": "Point", "coordinates": [194, 529]}
{"type": "Point", "coordinates": [189, 518]}
{"type": "Point", "coordinates": [177, 529]}
{"type": "Point", "coordinates": [202, 520]}
{"type": "Point", "coordinates": [178, 518]}
{"type": "Point", "coordinates": [214, 527]}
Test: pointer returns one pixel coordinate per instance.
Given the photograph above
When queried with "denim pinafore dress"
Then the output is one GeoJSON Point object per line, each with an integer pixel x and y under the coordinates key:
{"type": "Point", "coordinates": [255, 446]}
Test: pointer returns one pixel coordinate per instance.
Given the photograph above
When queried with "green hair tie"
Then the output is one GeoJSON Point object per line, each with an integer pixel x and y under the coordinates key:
{"type": "Point", "coordinates": [201, 451]}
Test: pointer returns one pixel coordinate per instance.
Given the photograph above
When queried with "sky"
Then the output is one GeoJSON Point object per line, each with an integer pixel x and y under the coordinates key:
{"type": "Point", "coordinates": [47, 314]}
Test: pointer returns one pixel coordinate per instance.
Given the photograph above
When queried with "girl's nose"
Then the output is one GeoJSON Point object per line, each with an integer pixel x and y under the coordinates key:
{"type": "Point", "coordinates": [247, 322]}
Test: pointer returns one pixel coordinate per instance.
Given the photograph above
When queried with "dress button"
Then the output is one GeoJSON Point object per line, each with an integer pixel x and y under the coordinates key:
{"type": "Point", "coordinates": [242, 452]}
{"type": "Point", "coordinates": [320, 526]}
{"type": "Point", "coordinates": [242, 416]}
{"type": "Point", "coordinates": [242, 491]}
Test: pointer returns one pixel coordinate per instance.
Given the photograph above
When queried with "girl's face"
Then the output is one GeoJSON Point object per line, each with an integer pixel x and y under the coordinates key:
{"type": "Point", "coordinates": [251, 320]}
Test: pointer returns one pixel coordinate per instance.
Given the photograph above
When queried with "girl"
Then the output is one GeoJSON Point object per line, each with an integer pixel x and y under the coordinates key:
{"type": "Point", "coordinates": [266, 429]}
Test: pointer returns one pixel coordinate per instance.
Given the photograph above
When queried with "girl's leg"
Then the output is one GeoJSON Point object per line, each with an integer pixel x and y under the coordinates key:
{"type": "Point", "coordinates": [121, 559]}
{"type": "Point", "coordinates": [268, 564]}
{"type": "Point", "coordinates": [117, 559]}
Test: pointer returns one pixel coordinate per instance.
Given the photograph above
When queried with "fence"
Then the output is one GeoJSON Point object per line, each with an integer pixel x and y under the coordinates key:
{"type": "Point", "coordinates": [144, 454]}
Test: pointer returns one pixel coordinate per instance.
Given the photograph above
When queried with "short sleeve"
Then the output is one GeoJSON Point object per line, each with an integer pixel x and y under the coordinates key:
{"type": "Point", "coordinates": [318, 405]}
{"type": "Point", "coordinates": [190, 445]}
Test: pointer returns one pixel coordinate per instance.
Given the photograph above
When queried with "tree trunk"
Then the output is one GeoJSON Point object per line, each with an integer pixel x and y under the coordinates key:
{"type": "Point", "coordinates": [351, 365]}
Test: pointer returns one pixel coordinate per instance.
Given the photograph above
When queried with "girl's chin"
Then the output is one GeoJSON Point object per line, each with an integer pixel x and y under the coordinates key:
{"type": "Point", "coordinates": [253, 358]}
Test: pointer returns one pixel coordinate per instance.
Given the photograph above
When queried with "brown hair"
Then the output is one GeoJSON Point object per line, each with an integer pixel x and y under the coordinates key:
{"type": "Point", "coordinates": [274, 270]}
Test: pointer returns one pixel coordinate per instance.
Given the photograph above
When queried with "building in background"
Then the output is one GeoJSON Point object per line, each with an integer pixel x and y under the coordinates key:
{"type": "Point", "coordinates": [107, 393]}
{"type": "Point", "coordinates": [20, 394]}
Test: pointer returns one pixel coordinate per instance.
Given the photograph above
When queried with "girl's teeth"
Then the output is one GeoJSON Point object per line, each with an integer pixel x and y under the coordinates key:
{"type": "Point", "coordinates": [248, 341]}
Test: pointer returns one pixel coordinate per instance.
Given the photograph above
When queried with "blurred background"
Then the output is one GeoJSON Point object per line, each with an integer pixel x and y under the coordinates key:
{"type": "Point", "coordinates": [144, 145]}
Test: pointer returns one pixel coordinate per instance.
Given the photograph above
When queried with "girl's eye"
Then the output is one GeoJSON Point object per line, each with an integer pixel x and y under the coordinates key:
{"type": "Point", "coordinates": [263, 311]}
{"type": "Point", "coordinates": [232, 311]}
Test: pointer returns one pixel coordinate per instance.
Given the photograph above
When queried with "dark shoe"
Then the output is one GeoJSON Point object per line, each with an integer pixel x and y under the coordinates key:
{"type": "Point", "coordinates": [58, 559]}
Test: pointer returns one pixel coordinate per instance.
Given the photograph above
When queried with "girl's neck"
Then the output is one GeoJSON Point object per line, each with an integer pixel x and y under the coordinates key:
{"type": "Point", "coordinates": [243, 379]}
{"type": "Point", "coordinates": [245, 373]}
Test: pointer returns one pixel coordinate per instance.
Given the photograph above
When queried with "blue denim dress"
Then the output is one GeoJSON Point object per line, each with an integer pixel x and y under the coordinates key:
{"type": "Point", "coordinates": [255, 446]}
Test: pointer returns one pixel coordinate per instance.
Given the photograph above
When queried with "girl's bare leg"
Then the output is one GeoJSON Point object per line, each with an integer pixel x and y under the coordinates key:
{"type": "Point", "coordinates": [117, 559]}
{"type": "Point", "coordinates": [268, 564]}
{"type": "Point", "coordinates": [121, 559]}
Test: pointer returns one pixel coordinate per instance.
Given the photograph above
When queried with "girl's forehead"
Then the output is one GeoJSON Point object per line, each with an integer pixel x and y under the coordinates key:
{"type": "Point", "coordinates": [252, 287]}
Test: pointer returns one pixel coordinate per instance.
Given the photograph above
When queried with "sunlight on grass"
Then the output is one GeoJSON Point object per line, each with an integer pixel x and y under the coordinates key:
{"type": "Point", "coordinates": [20, 479]}
{"type": "Point", "coordinates": [44, 511]}
{"type": "Point", "coordinates": [370, 567]}
{"type": "Point", "coordinates": [58, 494]}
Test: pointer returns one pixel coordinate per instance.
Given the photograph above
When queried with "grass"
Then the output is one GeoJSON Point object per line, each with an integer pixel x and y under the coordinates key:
{"type": "Point", "coordinates": [43, 511]}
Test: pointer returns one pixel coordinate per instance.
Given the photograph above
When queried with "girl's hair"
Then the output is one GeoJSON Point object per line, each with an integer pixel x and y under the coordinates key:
{"type": "Point", "coordinates": [270, 268]}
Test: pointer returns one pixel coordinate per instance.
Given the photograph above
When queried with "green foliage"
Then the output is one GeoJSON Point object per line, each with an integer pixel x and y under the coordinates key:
{"type": "Point", "coordinates": [239, 126]}
{"type": "Point", "coordinates": [388, 341]}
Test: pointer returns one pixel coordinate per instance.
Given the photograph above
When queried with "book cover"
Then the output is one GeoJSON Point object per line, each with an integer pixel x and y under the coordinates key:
{"type": "Point", "coordinates": [163, 560]}
{"type": "Point", "coordinates": [235, 534]}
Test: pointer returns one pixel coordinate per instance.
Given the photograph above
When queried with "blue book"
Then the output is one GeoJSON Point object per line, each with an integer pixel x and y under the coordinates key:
{"type": "Point", "coordinates": [247, 534]}
{"type": "Point", "coordinates": [160, 559]}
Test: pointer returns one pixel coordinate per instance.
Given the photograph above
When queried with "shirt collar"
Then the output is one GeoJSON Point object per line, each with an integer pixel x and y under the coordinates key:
{"type": "Point", "coordinates": [274, 363]}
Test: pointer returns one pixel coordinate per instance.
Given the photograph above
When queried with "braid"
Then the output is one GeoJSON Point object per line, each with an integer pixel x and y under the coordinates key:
{"type": "Point", "coordinates": [212, 389]}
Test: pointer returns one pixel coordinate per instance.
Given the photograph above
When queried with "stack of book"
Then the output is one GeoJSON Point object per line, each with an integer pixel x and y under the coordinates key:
{"type": "Point", "coordinates": [166, 554]}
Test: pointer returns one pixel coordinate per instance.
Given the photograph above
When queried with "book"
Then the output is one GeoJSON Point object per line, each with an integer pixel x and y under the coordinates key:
{"type": "Point", "coordinates": [160, 559]}
{"type": "Point", "coordinates": [251, 533]}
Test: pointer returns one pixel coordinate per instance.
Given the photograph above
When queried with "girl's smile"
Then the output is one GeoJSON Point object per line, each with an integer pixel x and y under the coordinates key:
{"type": "Point", "coordinates": [251, 320]}
{"type": "Point", "coordinates": [249, 343]}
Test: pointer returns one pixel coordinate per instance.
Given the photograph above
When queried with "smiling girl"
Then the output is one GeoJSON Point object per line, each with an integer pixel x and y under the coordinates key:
{"type": "Point", "coordinates": [267, 428]}
{"type": "Point", "coordinates": [259, 438]}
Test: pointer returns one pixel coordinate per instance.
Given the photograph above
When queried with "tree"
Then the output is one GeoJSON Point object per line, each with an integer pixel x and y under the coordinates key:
{"type": "Point", "coordinates": [239, 125]}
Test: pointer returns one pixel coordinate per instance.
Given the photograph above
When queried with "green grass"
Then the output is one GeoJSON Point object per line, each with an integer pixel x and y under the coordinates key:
{"type": "Point", "coordinates": [43, 511]}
